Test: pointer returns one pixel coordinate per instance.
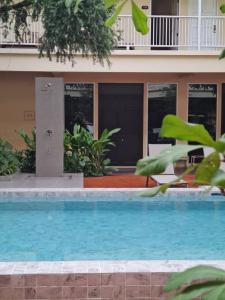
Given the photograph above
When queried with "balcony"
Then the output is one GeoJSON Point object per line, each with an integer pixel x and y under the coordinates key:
{"type": "Point", "coordinates": [166, 33]}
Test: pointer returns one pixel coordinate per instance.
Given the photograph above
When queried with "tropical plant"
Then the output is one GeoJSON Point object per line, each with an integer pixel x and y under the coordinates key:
{"type": "Point", "coordinates": [9, 163]}
{"type": "Point", "coordinates": [201, 281]}
{"type": "Point", "coordinates": [85, 154]}
{"type": "Point", "coordinates": [140, 20]}
{"type": "Point", "coordinates": [27, 156]}
{"type": "Point", "coordinates": [207, 172]}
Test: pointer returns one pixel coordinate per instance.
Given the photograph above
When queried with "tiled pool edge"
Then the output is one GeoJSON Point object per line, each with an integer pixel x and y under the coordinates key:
{"type": "Point", "coordinates": [137, 280]}
{"type": "Point", "coordinates": [114, 266]}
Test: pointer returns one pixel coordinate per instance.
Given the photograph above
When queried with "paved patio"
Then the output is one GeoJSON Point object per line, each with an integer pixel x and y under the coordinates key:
{"type": "Point", "coordinates": [31, 181]}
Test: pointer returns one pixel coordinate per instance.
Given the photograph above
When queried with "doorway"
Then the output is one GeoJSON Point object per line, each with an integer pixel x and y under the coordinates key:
{"type": "Point", "coordinates": [209, 33]}
{"type": "Point", "coordinates": [164, 30]}
{"type": "Point", "coordinates": [121, 106]}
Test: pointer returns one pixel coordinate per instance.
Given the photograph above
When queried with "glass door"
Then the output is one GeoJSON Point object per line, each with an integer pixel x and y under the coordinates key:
{"type": "Point", "coordinates": [162, 100]}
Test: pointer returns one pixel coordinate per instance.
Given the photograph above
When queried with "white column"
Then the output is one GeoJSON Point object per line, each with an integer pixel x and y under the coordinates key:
{"type": "Point", "coordinates": [199, 23]}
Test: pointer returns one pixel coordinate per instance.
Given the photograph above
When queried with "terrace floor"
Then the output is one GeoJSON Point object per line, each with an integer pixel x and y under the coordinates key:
{"type": "Point", "coordinates": [128, 180]}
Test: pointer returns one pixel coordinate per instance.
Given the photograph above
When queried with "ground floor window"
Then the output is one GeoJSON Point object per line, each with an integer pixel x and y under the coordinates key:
{"type": "Point", "coordinates": [79, 105]}
{"type": "Point", "coordinates": [202, 104]}
{"type": "Point", "coordinates": [162, 100]}
{"type": "Point", "coordinates": [223, 110]}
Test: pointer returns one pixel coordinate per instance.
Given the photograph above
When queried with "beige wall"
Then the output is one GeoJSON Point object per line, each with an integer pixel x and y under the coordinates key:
{"type": "Point", "coordinates": [17, 95]}
{"type": "Point", "coordinates": [183, 6]}
{"type": "Point", "coordinates": [16, 98]}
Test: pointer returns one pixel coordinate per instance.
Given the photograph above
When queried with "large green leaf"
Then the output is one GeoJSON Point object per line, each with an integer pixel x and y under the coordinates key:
{"type": "Point", "coordinates": [76, 7]}
{"type": "Point", "coordinates": [155, 191]}
{"type": "Point", "coordinates": [177, 280]}
{"type": "Point", "coordinates": [222, 54]}
{"type": "Point", "coordinates": [208, 167]}
{"type": "Point", "coordinates": [196, 290]}
{"type": "Point", "coordinates": [140, 19]}
{"type": "Point", "coordinates": [216, 294]}
{"type": "Point", "coordinates": [174, 127]}
{"type": "Point", "coordinates": [157, 164]}
{"type": "Point", "coordinates": [110, 21]}
{"type": "Point", "coordinates": [111, 3]}
{"type": "Point", "coordinates": [222, 8]}
{"type": "Point", "coordinates": [218, 179]}
{"type": "Point", "coordinates": [68, 3]}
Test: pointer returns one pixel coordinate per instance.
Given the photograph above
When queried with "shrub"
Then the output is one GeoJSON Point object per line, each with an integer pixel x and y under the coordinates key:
{"type": "Point", "coordinates": [84, 154]}
{"type": "Point", "coordinates": [9, 163]}
{"type": "Point", "coordinates": [27, 156]}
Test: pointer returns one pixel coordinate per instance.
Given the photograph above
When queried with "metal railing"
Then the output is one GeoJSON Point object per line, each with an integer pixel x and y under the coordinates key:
{"type": "Point", "coordinates": [174, 32]}
{"type": "Point", "coordinates": [166, 32]}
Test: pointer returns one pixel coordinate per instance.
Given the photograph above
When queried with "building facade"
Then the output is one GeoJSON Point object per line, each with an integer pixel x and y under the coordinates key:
{"type": "Point", "coordinates": [173, 69]}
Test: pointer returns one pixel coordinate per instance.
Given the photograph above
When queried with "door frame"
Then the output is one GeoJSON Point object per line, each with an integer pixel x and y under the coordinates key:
{"type": "Point", "coordinates": [177, 8]}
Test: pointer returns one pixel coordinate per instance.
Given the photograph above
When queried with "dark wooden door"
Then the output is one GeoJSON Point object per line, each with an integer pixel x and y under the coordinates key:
{"type": "Point", "coordinates": [121, 106]}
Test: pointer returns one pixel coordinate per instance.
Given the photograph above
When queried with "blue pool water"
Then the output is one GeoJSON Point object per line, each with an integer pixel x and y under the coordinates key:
{"type": "Point", "coordinates": [104, 230]}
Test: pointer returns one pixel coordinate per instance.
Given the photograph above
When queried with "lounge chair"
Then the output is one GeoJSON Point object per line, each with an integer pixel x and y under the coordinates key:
{"type": "Point", "coordinates": [169, 174]}
{"type": "Point", "coordinates": [206, 151]}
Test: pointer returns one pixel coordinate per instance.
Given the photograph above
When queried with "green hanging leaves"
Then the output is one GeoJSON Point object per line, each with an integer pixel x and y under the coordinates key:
{"type": "Point", "coordinates": [222, 54]}
{"type": "Point", "coordinates": [112, 19]}
{"type": "Point", "coordinates": [140, 19]}
{"type": "Point", "coordinates": [222, 8]}
{"type": "Point", "coordinates": [69, 3]}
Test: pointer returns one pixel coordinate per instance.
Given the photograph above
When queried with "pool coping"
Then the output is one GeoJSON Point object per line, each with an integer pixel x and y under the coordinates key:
{"type": "Point", "coordinates": [93, 192]}
{"type": "Point", "coordinates": [95, 267]}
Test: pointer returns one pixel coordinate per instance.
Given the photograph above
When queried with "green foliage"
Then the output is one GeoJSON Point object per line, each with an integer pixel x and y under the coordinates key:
{"type": "Point", "coordinates": [85, 155]}
{"type": "Point", "coordinates": [9, 163]}
{"type": "Point", "coordinates": [82, 154]}
{"type": "Point", "coordinates": [157, 164]}
{"type": "Point", "coordinates": [222, 8]}
{"type": "Point", "coordinates": [78, 26]}
{"type": "Point", "coordinates": [70, 26]}
{"type": "Point", "coordinates": [201, 281]}
{"type": "Point", "coordinates": [206, 173]}
{"type": "Point", "coordinates": [140, 20]}
{"type": "Point", "coordinates": [27, 156]}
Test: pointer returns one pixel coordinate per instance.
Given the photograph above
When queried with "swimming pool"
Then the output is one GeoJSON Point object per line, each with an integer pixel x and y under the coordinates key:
{"type": "Point", "coordinates": [66, 229]}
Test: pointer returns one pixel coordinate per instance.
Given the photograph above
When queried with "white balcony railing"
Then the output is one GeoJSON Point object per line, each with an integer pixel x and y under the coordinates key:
{"type": "Point", "coordinates": [166, 32]}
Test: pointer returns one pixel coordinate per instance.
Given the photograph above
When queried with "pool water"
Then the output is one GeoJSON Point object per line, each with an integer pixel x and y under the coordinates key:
{"type": "Point", "coordinates": [159, 229]}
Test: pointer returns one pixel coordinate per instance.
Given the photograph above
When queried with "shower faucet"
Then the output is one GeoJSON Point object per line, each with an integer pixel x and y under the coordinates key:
{"type": "Point", "coordinates": [49, 132]}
